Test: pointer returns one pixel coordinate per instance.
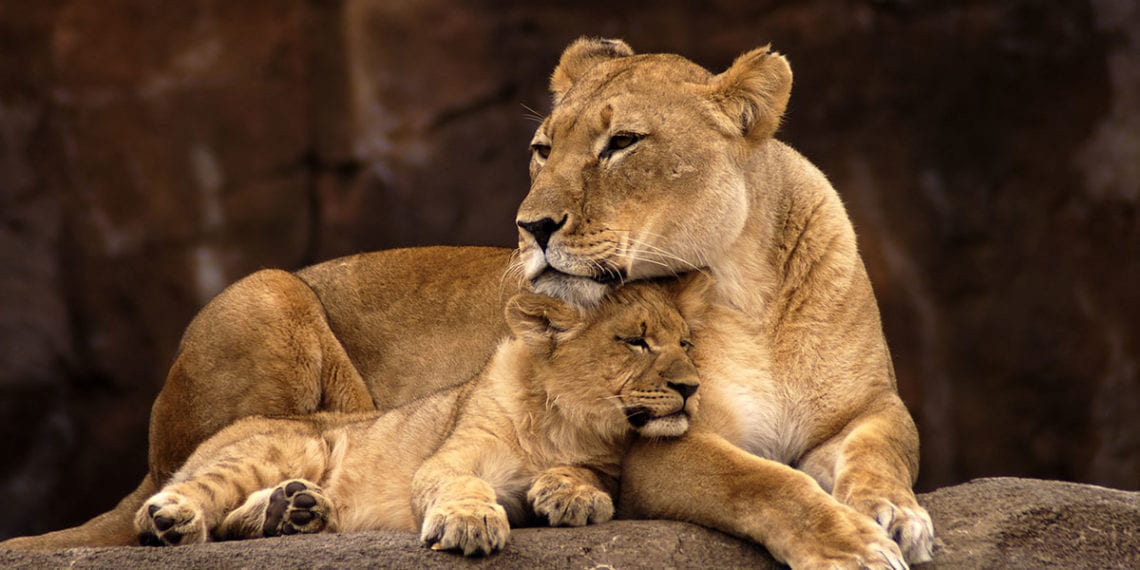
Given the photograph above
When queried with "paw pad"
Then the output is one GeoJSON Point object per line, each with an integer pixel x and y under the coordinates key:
{"type": "Point", "coordinates": [170, 519]}
{"type": "Point", "coordinates": [297, 507]}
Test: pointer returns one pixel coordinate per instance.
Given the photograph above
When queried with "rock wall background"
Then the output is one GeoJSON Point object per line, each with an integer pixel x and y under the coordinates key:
{"type": "Point", "coordinates": [153, 152]}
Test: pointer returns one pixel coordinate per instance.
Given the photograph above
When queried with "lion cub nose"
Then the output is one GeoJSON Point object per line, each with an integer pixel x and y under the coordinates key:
{"type": "Point", "coordinates": [685, 390]}
{"type": "Point", "coordinates": [542, 229]}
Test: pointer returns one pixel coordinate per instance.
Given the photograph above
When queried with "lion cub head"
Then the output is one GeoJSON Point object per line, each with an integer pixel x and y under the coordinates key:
{"type": "Point", "coordinates": [619, 366]}
{"type": "Point", "coordinates": [642, 168]}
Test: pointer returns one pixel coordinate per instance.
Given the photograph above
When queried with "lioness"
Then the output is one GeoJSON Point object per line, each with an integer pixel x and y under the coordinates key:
{"type": "Point", "coordinates": [647, 165]}
{"type": "Point", "coordinates": [540, 430]}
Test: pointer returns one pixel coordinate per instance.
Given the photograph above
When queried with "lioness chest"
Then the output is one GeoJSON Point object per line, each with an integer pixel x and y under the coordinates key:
{"type": "Point", "coordinates": [743, 396]}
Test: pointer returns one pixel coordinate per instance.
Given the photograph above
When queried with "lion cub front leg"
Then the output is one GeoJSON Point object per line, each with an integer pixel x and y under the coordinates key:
{"type": "Point", "coordinates": [296, 506]}
{"type": "Point", "coordinates": [459, 513]}
{"type": "Point", "coordinates": [570, 496]}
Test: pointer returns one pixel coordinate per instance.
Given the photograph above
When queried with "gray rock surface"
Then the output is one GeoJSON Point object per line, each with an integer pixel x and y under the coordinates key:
{"type": "Point", "coordinates": [987, 523]}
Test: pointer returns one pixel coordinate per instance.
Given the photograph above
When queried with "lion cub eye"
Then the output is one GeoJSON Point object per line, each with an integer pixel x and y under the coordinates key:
{"type": "Point", "coordinates": [635, 342]}
{"type": "Point", "coordinates": [686, 345]}
{"type": "Point", "coordinates": [620, 141]}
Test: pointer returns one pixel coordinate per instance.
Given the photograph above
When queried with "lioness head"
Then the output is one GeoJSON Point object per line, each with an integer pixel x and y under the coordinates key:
{"type": "Point", "coordinates": [639, 170]}
{"type": "Point", "coordinates": [621, 365]}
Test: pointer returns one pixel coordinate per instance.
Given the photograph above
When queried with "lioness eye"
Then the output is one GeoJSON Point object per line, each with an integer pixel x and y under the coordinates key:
{"type": "Point", "coordinates": [686, 345]}
{"type": "Point", "coordinates": [620, 141]}
{"type": "Point", "coordinates": [636, 341]}
{"type": "Point", "coordinates": [542, 150]}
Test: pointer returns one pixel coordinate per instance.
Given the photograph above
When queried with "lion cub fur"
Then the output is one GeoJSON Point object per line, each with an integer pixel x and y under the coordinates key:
{"type": "Point", "coordinates": [539, 434]}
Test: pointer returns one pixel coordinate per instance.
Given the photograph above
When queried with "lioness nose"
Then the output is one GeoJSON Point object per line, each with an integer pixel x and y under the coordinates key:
{"type": "Point", "coordinates": [543, 229]}
{"type": "Point", "coordinates": [685, 390]}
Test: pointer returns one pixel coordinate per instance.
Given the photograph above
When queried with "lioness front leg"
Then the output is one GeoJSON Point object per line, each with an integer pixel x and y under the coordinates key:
{"type": "Point", "coordinates": [459, 513]}
{"type": "Point", "coordinates": [871, 467]}
{"type": "Point", "coordinates": [704, 479]}
{"type": "Point", "coordinates": [570, 496]}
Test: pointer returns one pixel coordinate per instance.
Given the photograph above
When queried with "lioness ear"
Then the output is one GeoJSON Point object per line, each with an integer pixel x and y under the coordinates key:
{"type": "Point", "coordinates": [536, 318]}
{"type": "Point", "coordinates": [579, 57]}
{"type": "Point", "coordinates": [754, 92]}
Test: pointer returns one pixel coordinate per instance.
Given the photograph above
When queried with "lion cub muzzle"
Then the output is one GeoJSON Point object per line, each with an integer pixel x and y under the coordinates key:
{"type": "Point", "coordinates": [664, 409]}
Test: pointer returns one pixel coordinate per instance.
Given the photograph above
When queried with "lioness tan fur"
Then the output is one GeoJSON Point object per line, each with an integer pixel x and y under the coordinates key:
{"type": "Point", "coordinates": [540, 431]}
{"type": "Point", "coordinates": [647, 165]}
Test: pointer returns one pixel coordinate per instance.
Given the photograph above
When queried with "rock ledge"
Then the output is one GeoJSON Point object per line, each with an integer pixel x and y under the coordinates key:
{"type": "Point", "coordinates": [987, 523]}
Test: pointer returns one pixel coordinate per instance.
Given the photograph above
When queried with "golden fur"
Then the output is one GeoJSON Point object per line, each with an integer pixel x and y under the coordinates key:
{"type": "Point", "coordinates": [540, 431]}
{"type": "Point", "coordinates": [648, 165]}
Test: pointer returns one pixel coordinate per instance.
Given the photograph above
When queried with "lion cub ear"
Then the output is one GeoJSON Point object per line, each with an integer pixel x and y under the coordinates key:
{"type": "Point", "coordinates": [579, 57]}
{"type": "Point", "coordinates": [754, 92]}
{"type": "Point", "coordinates": [692, 293]}
{"type": "Point", "coordinates": [537, 318]}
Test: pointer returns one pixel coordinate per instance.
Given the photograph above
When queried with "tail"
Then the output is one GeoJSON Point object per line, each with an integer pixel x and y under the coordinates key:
{"type": "Point", "coordinates": [115, 527]}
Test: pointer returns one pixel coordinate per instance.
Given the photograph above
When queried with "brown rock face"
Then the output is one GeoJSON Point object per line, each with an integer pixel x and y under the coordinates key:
{"type": "Point", "coordinates": [151, 153]}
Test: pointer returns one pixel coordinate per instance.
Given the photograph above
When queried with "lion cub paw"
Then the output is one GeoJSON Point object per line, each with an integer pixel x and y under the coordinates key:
{"type": "Point", "coordinates": [565, 501]}
{"type": "Point", "coordinates": [471, 526]}
{"type": "Point", "coordinates": [170, 519]}
{"type": "Point", "coordinates": [297, 506]}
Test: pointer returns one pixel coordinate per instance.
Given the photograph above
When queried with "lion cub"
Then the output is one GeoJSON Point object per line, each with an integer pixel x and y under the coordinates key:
{"type": "Point", "coordinates": [538, 434]}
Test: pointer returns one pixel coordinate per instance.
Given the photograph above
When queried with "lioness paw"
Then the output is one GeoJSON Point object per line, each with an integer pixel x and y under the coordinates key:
{"type": "Point", "coordinates": [848, 540]}
{"type": "Point", "coordinates": [170, 519]}
{"type": "Point", "coordinates": [471, 526]}
{"type": "Point", "coordinates": [565, 501]}
{"type": "Point", "coordinates": [298, 507]}
{"type": "Point", "coordinates": [909, 526]}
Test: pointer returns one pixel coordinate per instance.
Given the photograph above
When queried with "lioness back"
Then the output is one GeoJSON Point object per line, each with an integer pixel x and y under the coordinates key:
{"type": "Point", "coordinates": [393, 314]}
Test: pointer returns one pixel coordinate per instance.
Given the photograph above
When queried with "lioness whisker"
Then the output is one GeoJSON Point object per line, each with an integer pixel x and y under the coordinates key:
{"type": "Point", "coordinates": [514, 269]}
{"type": "Point", "coordinates": [655, 262]}
{"type": "Point", "coordinates": [661, 253]}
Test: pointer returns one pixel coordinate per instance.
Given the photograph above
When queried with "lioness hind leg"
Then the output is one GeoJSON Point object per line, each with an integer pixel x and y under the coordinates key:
{"type": "Point", "coordinates": [170, 519]}
{"type": "Point", "coordinates": [263, 347]}
{"type": "Point", "coordinates": [295, 506]}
